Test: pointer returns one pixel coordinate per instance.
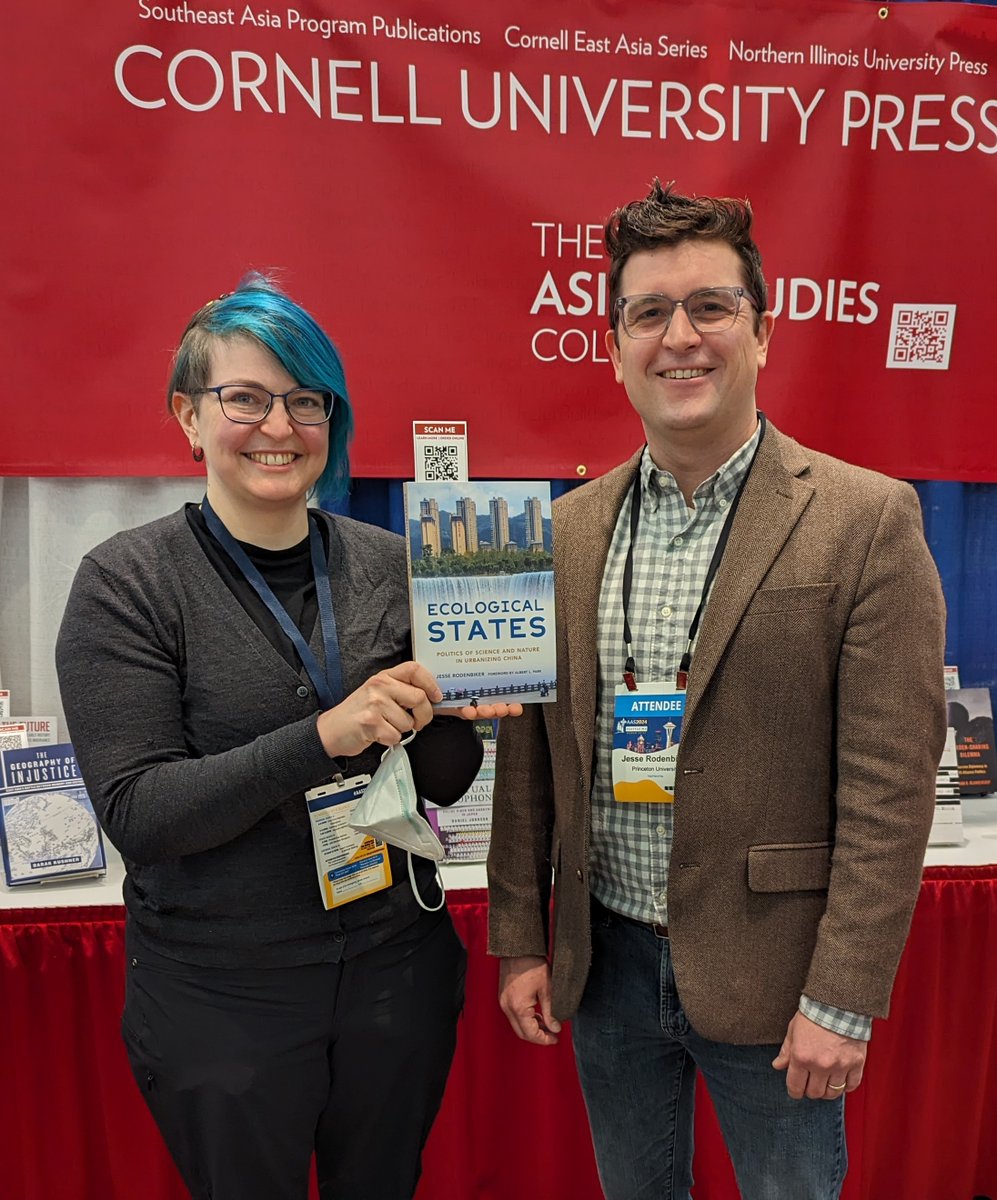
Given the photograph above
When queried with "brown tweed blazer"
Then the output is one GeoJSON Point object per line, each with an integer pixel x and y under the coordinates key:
{"type": "Point", "coordinates": [814, 723]}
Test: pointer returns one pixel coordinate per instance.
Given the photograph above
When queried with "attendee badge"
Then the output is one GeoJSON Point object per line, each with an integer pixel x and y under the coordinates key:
{"type": "Point", "coordinates": [647, 725]}
{"type": "Point", "coordinates": [350, 863]}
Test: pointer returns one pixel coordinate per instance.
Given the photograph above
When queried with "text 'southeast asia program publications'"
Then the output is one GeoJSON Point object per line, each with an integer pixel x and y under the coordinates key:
{"type": "Point", "coordinates": [481, 585]}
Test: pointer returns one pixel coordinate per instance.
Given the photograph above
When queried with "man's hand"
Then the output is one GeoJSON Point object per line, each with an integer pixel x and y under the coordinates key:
{"type": "Point", "coordinates": [814, 1059]}
{"type": "Point", "coordinates": [524, 987]}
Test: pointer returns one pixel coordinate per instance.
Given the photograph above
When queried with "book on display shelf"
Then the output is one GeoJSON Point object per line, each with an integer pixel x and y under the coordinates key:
{"type": "Point", "coordinates": [481, 589]}
{"type": "Point", "coordinates": [4, 704]}
{"type": "Point", "coordinates": [465, 828]}
{"type": "Point", "coordinates": [48, 829]}
{"type": "Point", "coordinates": [41, 731]}
{"type": "Point", "coordinates": [946, 826]}
{"type": "Point", "coordinates": [970, 715]}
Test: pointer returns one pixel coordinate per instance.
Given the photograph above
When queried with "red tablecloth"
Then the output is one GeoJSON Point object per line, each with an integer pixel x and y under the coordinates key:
{"type": "Point", "coordinates": [922, 1127]}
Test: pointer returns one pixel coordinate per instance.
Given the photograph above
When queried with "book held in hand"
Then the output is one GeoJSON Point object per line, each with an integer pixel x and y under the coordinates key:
{"type": "Point", "coordinates": [48, 828]}
{"type": "Point", "coordinates": [481, 588]}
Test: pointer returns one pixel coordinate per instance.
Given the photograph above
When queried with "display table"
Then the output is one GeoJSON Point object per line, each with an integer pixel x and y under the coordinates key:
{"type": "Point", "coordinates": [512, 1127]}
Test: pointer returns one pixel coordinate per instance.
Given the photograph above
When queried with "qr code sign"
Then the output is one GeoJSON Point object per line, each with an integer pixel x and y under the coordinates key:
{"type": "Point", "coordinates": [441, 464]}
{"type": "Point", "coordinates": [921, 336]}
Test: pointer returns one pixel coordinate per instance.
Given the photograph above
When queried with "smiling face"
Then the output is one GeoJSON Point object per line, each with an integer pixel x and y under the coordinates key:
{"type": "Point", "coordinates": [256, 473]}
{"type": "Point", "coordinates": [692, 391]}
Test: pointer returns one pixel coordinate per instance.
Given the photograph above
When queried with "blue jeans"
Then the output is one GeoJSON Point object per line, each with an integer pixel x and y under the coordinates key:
{"type": "Point", "coordinates": [637, 1058]}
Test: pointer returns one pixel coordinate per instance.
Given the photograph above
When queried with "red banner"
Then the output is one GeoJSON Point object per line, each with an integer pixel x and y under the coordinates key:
{"type": "Point", "coordinates": [432, 180]}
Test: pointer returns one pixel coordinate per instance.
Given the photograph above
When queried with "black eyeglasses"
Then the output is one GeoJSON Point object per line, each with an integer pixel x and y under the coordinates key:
{"type": "Point", "coordinates": [710, 310]}
{"type": "Point", "coordinates": [249, 404]}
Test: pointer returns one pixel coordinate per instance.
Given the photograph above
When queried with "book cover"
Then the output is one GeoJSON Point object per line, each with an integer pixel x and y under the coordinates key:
{"type": "Point", "coordinates": [465, 828]}
{"type": "Point", "coordinates": [481, 589]}
{"type": "Point", "coordinates": [41, 731]}
{"type": "Point", "coordinates": [48, 829]}
{"type": "Point", "coordinates": [970, 714]}
{"type": "Point", "coordinates": [4, 703]}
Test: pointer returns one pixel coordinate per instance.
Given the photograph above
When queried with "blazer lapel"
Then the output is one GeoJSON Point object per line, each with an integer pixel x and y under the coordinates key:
{"type": "Point", "coordinates": [773, 501]}
{"type": "Point", "coordinates": [581, 546]}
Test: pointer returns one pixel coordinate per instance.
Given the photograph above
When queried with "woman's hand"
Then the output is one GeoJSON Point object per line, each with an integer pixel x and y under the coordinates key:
{"type": "Point", "coordinates": [384, 709]}
{"type": "Point", "coordinates": [481, 712]}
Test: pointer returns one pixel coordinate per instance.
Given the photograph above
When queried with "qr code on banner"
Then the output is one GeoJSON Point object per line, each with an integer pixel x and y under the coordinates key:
{"type": "Point", "coordinates": [921, 336]}
{"type": "Point", "coordinates": [441, 464]}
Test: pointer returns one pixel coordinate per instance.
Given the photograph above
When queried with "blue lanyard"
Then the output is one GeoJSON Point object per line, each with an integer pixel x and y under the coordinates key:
{"type": "Point", "coordinates": [329, 683]}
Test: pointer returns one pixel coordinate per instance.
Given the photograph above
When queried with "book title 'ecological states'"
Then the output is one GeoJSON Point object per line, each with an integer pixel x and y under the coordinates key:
{"type": "Point", "coordinates": [481, 588]}
{"type": "Point", "coordinates": [48, 824]}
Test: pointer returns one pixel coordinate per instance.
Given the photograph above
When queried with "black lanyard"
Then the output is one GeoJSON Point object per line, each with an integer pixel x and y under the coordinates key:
{"type": "Point", "coordinates": [682, 677]}
{"type": "Point", "coordinates": [328, 683]}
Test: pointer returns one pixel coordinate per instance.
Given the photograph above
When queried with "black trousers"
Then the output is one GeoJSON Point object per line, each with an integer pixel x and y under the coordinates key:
{"type": "Point", "coordinates": [247, 1072]}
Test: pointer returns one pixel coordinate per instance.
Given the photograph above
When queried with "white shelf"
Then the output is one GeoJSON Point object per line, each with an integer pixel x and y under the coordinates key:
{"type": "Point", "coordinates": [979, 847]}
{"type": "Point", "coordinates": [107, 890]}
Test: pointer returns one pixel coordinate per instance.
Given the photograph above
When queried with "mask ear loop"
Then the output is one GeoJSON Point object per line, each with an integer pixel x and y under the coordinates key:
{"type": "Point", "coordinates": [398, 745]}
{"type": "Point", "coordinates": [411, 868]}
{"type": "Point", "coordinates": [415, 887]}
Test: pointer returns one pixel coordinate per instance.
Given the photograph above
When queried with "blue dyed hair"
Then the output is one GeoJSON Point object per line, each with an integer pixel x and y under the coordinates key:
{"type": "Point", "coordinates": [259, 309]}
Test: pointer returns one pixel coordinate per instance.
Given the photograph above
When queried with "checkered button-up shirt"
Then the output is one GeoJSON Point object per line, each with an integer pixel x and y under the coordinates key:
{"type": "Point", "coordinates": [631, 843]}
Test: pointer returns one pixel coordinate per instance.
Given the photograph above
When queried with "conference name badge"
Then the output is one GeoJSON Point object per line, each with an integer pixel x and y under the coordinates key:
{"type": "Point", "coordinates": [647, 726]}
{"type": "Point", "coordinates": [350, 864]}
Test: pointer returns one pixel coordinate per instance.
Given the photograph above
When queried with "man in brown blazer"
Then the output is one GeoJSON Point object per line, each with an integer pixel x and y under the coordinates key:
{"type": "Point", "coordinates": [736, 903]}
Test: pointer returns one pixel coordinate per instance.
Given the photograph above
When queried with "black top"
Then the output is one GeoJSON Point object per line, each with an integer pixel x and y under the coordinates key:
{"type": "Point", "coordinates": [288, 572]}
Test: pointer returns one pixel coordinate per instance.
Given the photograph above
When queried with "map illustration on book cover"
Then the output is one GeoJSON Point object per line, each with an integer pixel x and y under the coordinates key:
{"type": "Point", "coordinates": [47, 822]}
{"type": "Point", "coordinates": [481, 587]}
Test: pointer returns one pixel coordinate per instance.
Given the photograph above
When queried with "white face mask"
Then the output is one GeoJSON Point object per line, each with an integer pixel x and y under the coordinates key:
{"type": "Point", "coordinates": [389, 811]}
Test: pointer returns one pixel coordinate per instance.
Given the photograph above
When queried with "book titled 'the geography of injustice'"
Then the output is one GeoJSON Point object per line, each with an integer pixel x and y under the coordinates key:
{"type": "Point", "coordinates": [47, 822]}
{"type": "Point", "coordinates": [481, 587]}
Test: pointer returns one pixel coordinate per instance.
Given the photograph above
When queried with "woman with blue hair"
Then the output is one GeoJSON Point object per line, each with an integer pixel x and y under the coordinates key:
{"type": "Point", "coordinates": [215, 665]}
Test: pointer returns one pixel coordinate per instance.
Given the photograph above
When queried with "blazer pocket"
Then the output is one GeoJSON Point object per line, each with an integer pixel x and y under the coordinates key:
{"type": "Point", "coordinates": [791, 867]}
{"type": "Point", "coordinates": [808, 598]}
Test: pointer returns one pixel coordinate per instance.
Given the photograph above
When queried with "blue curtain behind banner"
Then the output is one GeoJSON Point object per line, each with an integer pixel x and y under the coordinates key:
{"type": "Point", "coordinates": [960, 522]}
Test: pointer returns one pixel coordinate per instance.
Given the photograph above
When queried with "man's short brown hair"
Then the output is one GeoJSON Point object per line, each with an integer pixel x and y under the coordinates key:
{"type": "Point", "coordinates": [666, 218]}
